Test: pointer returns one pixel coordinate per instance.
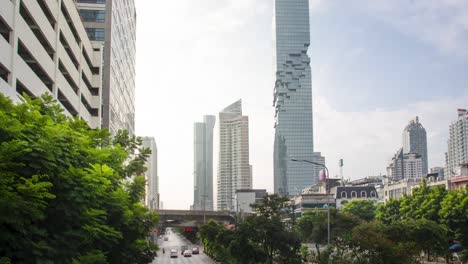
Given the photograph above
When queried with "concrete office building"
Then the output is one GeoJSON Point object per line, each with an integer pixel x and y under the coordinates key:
{"type": "Point", "coordinates": [203, 164]}
{"type": "Point", "coordinates": [415, 141]}
{"type": "Point", "coordinates": [246, 197]}
{"type": "Point", "coordinates": [457, 153]}
{"type": "Point", "coordinates": [151, 175]}
{"type": "Point", "coordinates": [112, 23]}
{"type": "Point", "coordinates": [44, 49]}
{"type": "Point", "coordinates": [399, 189]}
{"type": "Point", "coordinates": [234, 170]}
{"type": "Point", "coordinates": [293, 100]}
{"type": "Point", "coordinates": [405, 166]}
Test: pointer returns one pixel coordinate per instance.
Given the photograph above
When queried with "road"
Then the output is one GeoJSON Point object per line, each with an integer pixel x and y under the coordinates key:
{"type": "Point", "coordinates": [176, 241]}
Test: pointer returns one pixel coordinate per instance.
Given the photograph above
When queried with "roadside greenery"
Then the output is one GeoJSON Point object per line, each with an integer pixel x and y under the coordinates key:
{"type": "Point", "coordinates": [261, 238]}
{"type": "Point", "coordinates": [395, 232]}
{"type": "Point", "coordinates": [69, 194]}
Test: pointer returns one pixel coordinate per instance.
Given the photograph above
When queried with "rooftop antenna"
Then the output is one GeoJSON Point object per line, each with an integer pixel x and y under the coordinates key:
{"type": "Point", "coordinates": [340, 163]}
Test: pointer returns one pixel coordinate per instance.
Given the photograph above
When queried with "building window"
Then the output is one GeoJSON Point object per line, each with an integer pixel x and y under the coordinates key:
{"type": "Point", "coordinates": [24, 53]}
{"type": "Point", "coordinates": [93, 15]}
{"type": "Point", "coordinates": [66, 103]}
{"type": "Point", "coordinates": [4, 73]}
{"type": "Point", "coordinates": [343, 194]}
{"type": "Point", "coordinates": [353, 194]}
{"type": "Point", "coordinates": [363, 194]}
{"type": "Point", "coordinates": [96, 34]}
{"type": "Point", "coordinates": [373, 194]}
{"type": "Point", "coordinates": [5, 30]}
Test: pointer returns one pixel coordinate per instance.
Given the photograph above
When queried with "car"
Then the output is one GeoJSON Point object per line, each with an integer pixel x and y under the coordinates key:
{"type": "Point", "coordinates": [195, 251]}
{"type": "Point", "coordinates": [187, 253]}
{"type": "Point", "coordinates": [183, 248]}
{"type": "Point", "coordinates": [166, 238]}
{"type": "Point", "coordinates": [173, 253]}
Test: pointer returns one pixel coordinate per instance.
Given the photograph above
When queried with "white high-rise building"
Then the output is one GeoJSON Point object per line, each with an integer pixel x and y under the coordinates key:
{"type": "Point", "coordinates": [457, 153]}
{"type": "Point", "coordinates": [44, 49]}
{"type": "Point", "coordinates": [405, 166]}
{"type": "Point", "coordinates": [151, 175]}
{"type": "Point", "coordinates": [415, 141]}
{"type": "Point", "coordinates": [203, 164]}
{"type": "Point", "coordinates": [112, 24]}
{"type": "Point", "coordinates": [234, 169]}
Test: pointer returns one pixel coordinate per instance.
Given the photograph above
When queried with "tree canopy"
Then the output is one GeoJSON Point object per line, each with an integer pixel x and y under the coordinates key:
{"type": "Point", "coordinates": [68, 193]}
{"type": "Point", "coordinates": [364, 209]}
{"type": "Point", "coordinates": [262, 238]}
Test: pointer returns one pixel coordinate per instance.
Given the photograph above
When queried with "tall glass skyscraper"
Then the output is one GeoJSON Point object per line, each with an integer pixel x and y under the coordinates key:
{"type": "Point", "coordinates": [203, 164]}
{"type": "Point", "coordinates": [293, 100]}
{"type": "Point", "coordinates": [112, 23]}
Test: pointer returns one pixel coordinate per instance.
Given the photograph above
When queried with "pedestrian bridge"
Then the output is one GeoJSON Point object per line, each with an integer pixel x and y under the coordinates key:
{"type": "Point", "coordinates": [190, 218]}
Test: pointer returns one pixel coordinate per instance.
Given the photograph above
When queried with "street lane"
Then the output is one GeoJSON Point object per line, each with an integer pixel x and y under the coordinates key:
{"type": "Point", "coordinates": [175, 242]}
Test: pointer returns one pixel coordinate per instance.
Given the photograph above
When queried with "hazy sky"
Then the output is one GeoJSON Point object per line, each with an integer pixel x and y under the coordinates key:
{"type": "Point", "coordinates": [375, 65]}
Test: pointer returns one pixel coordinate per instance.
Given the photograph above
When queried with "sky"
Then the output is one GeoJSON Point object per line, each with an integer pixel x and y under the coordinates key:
{"type": "Point", "coordinates": [376, 65]}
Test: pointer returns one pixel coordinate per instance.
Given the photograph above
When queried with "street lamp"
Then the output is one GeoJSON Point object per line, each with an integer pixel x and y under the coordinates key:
{"type": "Point", "coordinates": [230, 198]}
{"type": "Point", "coordinates": [204, 208]}
{"type": "Point", "coordinates": [327, 192]}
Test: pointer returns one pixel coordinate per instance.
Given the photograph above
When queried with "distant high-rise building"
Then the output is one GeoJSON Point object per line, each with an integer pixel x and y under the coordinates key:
{"type": "Point", "coordinates": [44, 49]}
{"type": "Point", "coordinates": [203, 164]}
{"type": "Point", "coordinates": [405, 166]}
{"type": "Point", "coordinates": [415, 141]}
{"type": "Point", "coordinates": [234, 170]}
{"type": "Point", "coordinates": [293, 100]}
{"type": "Point", "coordinates": [457, 153]}
{"type": "Point", "coordinates": [112, 23]}
{"type": "Point", "coordinates": [151, 175]}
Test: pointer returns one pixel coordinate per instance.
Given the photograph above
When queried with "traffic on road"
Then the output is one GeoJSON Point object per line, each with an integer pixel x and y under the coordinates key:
{"type": "Point", "coordinates": [174, 248]}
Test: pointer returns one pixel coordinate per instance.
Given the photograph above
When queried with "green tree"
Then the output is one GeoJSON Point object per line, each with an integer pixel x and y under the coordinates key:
{"type": "Point", "coordinates": [369, 243]}
{"type": "Point", "coordinates": [272, 206]}
{"type": "Point", "coordinates": [261, 238]}
{"type": "Point", "coordinates": [364, 209]}
{"type": "Point", "coordinates": [312, 226]}
{"type": "Point", "coordinates": [389, 212]}
{"type": "Point", "coordinates": [208, 234]}
{"type": "Point", "coordinates": [272, 235]}
{"type": "Point", "coordinates": [243, 248]}
{"type": "Point", "coordinates": [67, 192]}
{"type": "Point", "coordinates": [425, 202]}
{"type": "Point", "coordinates": [454, 214]}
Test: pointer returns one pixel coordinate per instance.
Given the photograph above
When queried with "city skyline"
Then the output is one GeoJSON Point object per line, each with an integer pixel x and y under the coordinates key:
{"type": "Point", "coordinates": [366, 88]}
{"type": "Point", "coordinates": [229, 119]}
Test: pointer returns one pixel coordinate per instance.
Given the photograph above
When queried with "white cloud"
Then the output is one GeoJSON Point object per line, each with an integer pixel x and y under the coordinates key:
{"type": "Point", "coordinates": [441, 23]}
{"type": "Point", "coordinates": [316, 5]}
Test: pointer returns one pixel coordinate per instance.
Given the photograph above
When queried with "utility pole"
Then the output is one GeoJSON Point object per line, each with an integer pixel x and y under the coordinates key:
{"type": "Point", "coordinates": [204, 208]}
{"type": "Point", "coordinates": [327, 188]}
